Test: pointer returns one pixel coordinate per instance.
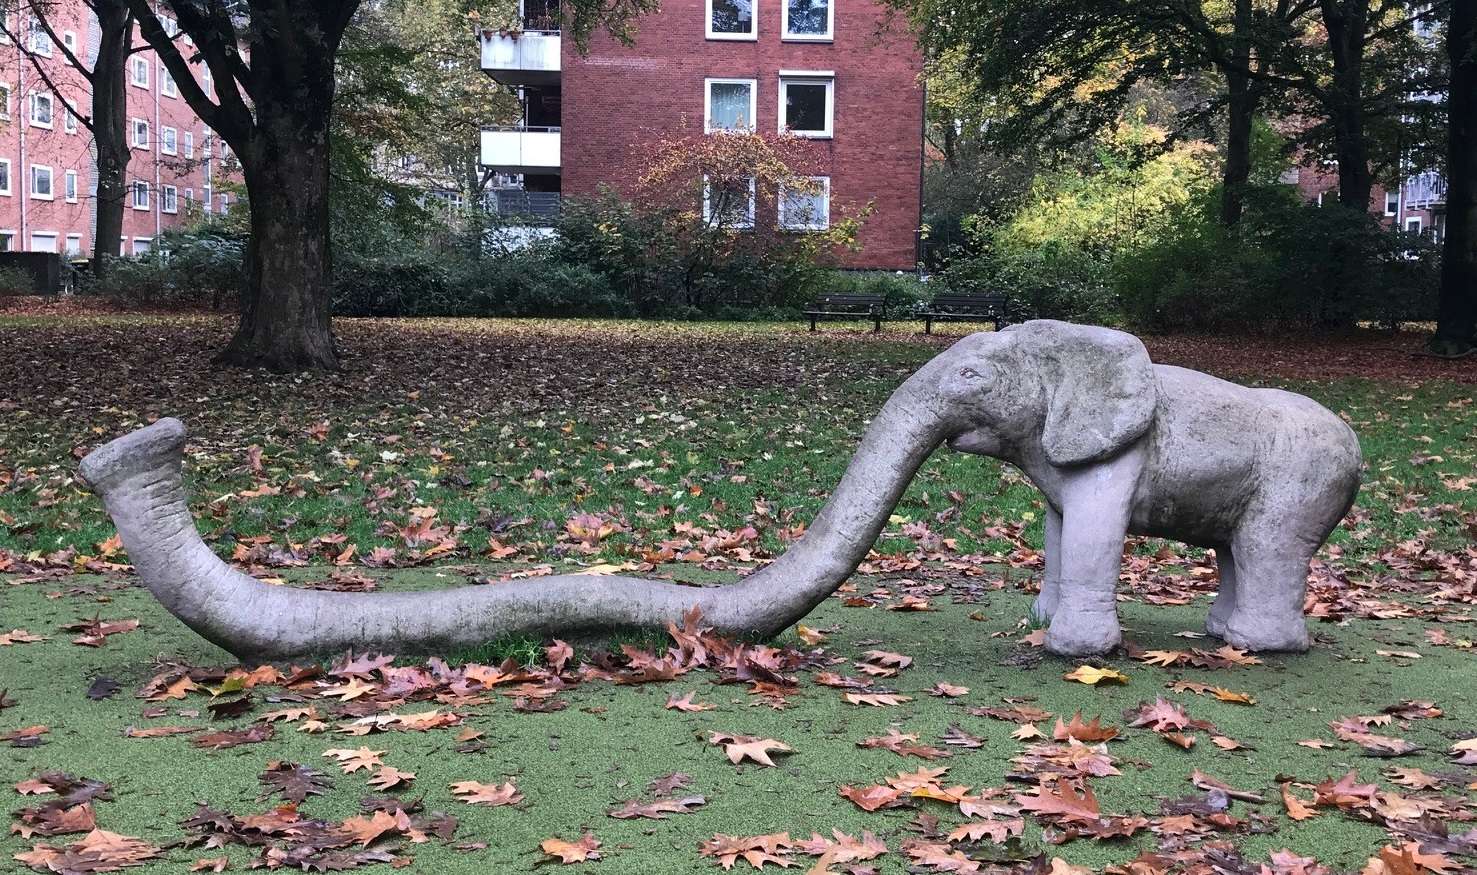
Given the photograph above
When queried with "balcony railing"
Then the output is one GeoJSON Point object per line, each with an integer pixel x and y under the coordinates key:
{"type": "Point", "coordinates": [533, 207]}
{"type": "Point", "coordinates": [528, 57]}
{"type": "Point", "coordinates": [521, 149]}
{"type": "Point", "coordinates": [1425, 190]}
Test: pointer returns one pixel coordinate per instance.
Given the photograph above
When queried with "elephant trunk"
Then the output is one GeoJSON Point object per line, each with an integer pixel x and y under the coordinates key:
{"type": "Point", "coordinates": [139, 479]}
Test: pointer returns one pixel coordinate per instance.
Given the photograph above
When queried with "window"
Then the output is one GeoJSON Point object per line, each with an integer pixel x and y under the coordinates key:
{"type": "Point", "coordinates": [205, 145]}
{"type": "Point", "coordinates": [1320, 198]}
{"type": "Point", "coordinates": [170, 196]}
{"type": "Point", "coordinates": [1392, 203]}
{"type": "Point", "coordinates": [140, 68]}
{"type": "Point", "coordinates": [143, 245]}
{"type": "Point", "coordinates": [141, 133]}
{"type": "Point", "coordinates": [166, 83]}
{"type": "Point", "coordinates": [70, 186]}
{"type": "Point", "coordinates": [1413, 224]}
{"type": "Point", "coordinates": [189, 198]}
{"type": "Point", "coordinates": [169, 141]}
{"type": "Point", "coordinates": [40, 41]}
{"type": "Point", "coordinates": [69, 39]}
{"type": "Point", "coordinates": [42, 109]}
{"type": "Point", "coordinates": [189, 144]}
{"type": "Point", "coordinates": [809, 19]}
{"type": "Point", "coordinates": [74, 244]}
{"type": "Point", "coordinates": [140, 195]}
{"type": "Point", "coordinates": [225, 204]}
{"type": "Point", "coordinates": [7, 241]}
{"type": "Point", "coordinates": [4, 101]}
{"type": "Point", "coordinates": [730, 203]}
{"type": "Point", "coordinates": [807, 105]}
{"type": "Point", "coordinates": [730, 104]}
{"type": "Point", "coordinates": [171, 27]}
{"type": "Point", "coordinates": [733, 19]}
{"type": "Point", "coordinates": [207, 195]}
{"type": "Point", "coordinates": [69, 120]}
{"type": "Point", "coordinates": [808, 209]}
{"type": "Point", "coordinates": [41, 182]}
{"type": "Point", "coordinates": [5, 176]}
{"type": "Point", "coordinates": [207, 79]}
{"type": "Point", "coordinates": [43, 241]}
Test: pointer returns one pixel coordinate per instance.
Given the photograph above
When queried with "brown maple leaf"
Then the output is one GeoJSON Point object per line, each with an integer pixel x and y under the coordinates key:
{"type": "Point", "coordinates": [492, 795]}
{"type": "Point", "coordinates": [587, 848]}
{"type": "Point", "coordinates": [1091, 732]}
{"type": "Point", "coordinates": [741, 747]}
{"type": "Point", "coordinates": [367, 830]}
{"type": "Point", "coordinates": [353, 760]}
{"type": "Point", "coordinates": [293, 782]}
{"type": "Point", "coordinates": [657, 809]}
{"type": "Point", "coordinates": [903, 745]}
{"type": "Point", "coordinates": [390, 778]}
{"type": "Point", "coordinates": [871, 798]}
{"type": "Point", "coordinates": [1061, 801]}
{"type": "Point", "coordinates": [235, 737]}
{"type": "Point", "coordinates": [686, 704]}
{"type": "Point", "coordinates": [755, 850]}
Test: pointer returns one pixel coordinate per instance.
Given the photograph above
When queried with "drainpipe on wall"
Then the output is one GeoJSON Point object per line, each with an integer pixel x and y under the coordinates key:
{"type": "Point", "coordinates": [158, 144]}
{"type": "Point", "coordinates": [21, 177]}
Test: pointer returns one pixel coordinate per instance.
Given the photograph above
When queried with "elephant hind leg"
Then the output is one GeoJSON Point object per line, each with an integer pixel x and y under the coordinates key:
{"type": "Point", "coordinates": [1225, 597]}
{"type": "Point", "coordinates": [1051, 582]}
{"type": "Point", "coordinates": [1271, 575]}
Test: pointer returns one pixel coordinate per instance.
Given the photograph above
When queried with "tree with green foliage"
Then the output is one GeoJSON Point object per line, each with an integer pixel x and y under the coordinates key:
{"type": "Point", "coordinates": [1456, 331]}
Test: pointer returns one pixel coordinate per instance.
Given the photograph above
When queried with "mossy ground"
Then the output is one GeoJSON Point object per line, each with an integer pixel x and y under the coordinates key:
{"type": "Point", "coordinates": [575, 764]}
{"type": "Point", "coordinates": [509, 428]}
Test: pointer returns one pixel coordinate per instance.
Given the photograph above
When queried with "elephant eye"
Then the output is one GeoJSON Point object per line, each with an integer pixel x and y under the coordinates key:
{"type": "Point", "coordinates": [970, 374]}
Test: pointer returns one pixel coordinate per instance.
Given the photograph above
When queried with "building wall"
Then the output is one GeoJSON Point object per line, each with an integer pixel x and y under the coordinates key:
{"type": "Point", "coordinates": [617, 98]}
{"type": "Point", "coordinates": [1314, 183]}
{"type": "Point", "coordinates": [26, 143]}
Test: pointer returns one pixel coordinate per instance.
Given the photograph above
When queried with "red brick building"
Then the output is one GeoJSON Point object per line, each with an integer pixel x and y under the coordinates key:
{"type": "Point", "coordinates": [47, 163]}
{"type": "Point", "coordinates": [844, 74]}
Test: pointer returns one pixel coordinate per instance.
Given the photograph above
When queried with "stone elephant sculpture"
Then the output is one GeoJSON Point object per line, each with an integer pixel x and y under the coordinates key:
{"type": "Point", "coordinates": [1115, 443]}
{"type": "Point", "coordinates": [1119, 445]}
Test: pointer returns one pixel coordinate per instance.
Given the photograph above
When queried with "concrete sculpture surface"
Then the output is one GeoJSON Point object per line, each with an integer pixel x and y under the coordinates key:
{"type": "Point", "coordinates": [1115, 443]}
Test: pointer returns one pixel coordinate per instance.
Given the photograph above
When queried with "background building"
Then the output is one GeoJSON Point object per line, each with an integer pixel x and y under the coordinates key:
{"type": "Point", "coordinates": [846, 75]}
{"type": "Point", "coordinates": [48, 165]}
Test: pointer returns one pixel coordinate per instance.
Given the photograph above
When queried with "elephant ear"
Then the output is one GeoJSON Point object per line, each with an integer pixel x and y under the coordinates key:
{"type": "Point", "coordinates": [1100, 388]}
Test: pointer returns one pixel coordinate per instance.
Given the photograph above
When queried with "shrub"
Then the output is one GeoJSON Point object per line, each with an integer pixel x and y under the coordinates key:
{"type": "Point", "coordinates": [1046, 282]}
{"type": "Point", "coordinates": [15, 280]}
{"type": "Point", "coordinates": [185, 268]}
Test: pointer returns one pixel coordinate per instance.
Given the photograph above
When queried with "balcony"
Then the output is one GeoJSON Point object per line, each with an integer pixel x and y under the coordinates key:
{"type": "Point", "coordinates": [528, 57]}
{"type": "Point", "coordinates": [521, 149]}
{"type": "Point", "coordinates": [525, 207]}
{"type": "Point", "coordinates": [1425, 191]}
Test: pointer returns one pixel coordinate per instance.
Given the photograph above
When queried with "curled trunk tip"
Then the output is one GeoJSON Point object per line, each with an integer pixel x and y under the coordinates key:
{"type": "Point", "coordinates": [134, 453]}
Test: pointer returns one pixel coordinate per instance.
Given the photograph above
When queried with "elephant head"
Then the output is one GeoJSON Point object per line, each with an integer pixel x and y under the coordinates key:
{"type": "Point", "coordinates": [1072, 393]}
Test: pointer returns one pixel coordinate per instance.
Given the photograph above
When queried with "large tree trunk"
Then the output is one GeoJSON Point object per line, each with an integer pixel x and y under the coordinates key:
{"type": "Point", "coordinates": [1241, 110]}
{"type": "Point", "coordinates": [1456, 327]}
{"type": "Point", "coordinates": [139, 479]}
{"type": "Point", "coordinates": [285, 297]}
{"type": "Point", "coordinates": [110, 129]}
{"type": "Point", "coordinates": [1346, 22]}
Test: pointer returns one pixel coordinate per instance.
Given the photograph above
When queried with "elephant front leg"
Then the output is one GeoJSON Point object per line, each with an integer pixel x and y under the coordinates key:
{"type": "Point", "coordinates": [1225, 598]}
{"type": "Point", "coordinates": [1046, 602]}
{"type": "Point", "coordinates": [1097, 503]}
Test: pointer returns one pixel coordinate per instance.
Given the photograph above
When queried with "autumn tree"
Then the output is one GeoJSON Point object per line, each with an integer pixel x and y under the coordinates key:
{"type": "Point", "coordinates": [1456, 332]}
{"type": "Point", "coordinates": [106, 80]}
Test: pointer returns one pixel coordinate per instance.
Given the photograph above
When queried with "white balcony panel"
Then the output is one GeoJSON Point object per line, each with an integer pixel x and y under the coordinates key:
{"type": "Point", "coordinates": [521, 151]}
{"type": "Point", "coordinates": [527, 58]}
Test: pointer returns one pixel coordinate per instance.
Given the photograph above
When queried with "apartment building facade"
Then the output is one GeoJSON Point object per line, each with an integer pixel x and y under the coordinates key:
{"type": "Point", "coordinates": [847, 76]}
{"type": "Point", "coordinates": [48, 162]}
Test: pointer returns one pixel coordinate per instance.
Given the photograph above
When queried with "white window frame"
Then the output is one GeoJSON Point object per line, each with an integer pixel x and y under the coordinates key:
{"type": "Point", "coordinates": [69, 249]}
{"type": "Point", "coordinates": [39, 40]}
{"type": "Point", "coordinates": [69, 39]}
{"type": "Point", "coordinates": [189, 144]}
{"type": "Point", "coordinates": [37, 99]}
{"type": "Point", "coordinates": [56, 240]}
{"type": "Point", "coordinates": [824, 224]}
{"type": "Point", "coordinates": [50, 179]}
{"type": "Point", "coordinates": [165, 145]}
{"type": "Point", "coordinates": [169, 199]}
{"type": "Point", "coordinates": [69, 119]}
{"type": "Point", "coordinates": [6, 93]}
{"type": "Point", "coordinates": [827, 37]}
{"type": "Point", "coordinates": [148, 246]}
{"type": "Point", "coordinates": [207, 195]}
{"type": "Point", "coordinates": [135, 126]}
{"type": "Point", "coordinates": [708, 103]}
{"type": "Point", "coordinates": [7, 237]}
{"type": "Point", "coordinates": [71, 188]}
{"type": "Point", "coordinates": [753, 204]}
{"type": "Point", "coordinates": [751, 36]}
{"type": "Point", "coordinates": [1414, 224]}
{"type": "Point", "coordinates": [189, 198]}
{"type": "Point", "coordinates": [1392, 202]}
{"type": "Point", "coordinates": [139, 65]}
{"type": "Point", "coordinates": [167, 86]}
{"type": "Point", "coordinates": [140, 186]}
{"type": "Point", "coordinates": [225, 203]}
{"type": "Point", "coordinates": [9, 188]}
{"type": "Point", "coordinates": [810, 77]}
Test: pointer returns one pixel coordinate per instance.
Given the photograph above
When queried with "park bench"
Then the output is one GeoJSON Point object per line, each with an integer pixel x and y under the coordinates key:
{"type": "Point", "coordinates": [848, 306]}
{"type": "Point", "coordinates": [965, 308]}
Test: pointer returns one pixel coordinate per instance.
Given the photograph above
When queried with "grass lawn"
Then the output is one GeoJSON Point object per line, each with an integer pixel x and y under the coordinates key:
{"type": "Point", "coordinates": [457, 452]}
